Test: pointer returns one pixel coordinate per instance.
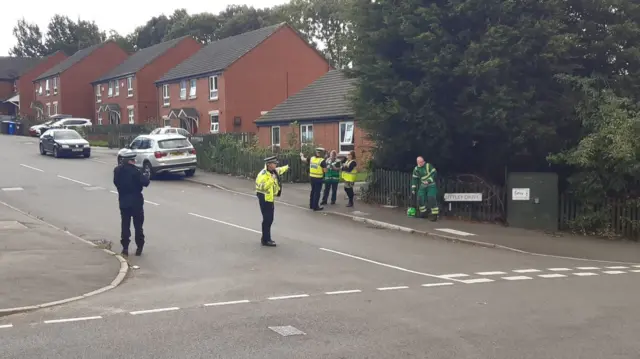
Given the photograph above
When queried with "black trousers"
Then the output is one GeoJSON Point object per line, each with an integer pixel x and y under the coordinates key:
{"type": "Point", "coordinates": [333, 187]}
{"type": "Point", "coordinates": [267, 209]}
{"type": "Point", "coordinates": [316, 190]}
{"type": "Point", "coordinates": [126, 215]}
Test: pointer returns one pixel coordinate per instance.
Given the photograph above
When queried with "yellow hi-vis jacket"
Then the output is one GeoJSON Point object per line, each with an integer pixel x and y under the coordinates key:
{"type": "Point", "coordinates": [315, 170]}
{"type": "Point", "coordinates": [267, 184]}
{"type": "Point", "coordinates": [349, 176]}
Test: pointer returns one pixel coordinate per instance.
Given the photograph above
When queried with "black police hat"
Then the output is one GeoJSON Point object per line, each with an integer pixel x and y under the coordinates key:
{"type": "Point", "coordinates": [272, 159]}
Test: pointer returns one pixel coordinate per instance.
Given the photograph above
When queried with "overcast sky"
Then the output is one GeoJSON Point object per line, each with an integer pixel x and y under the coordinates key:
{"type": "Point", "coordinates": [120, 15]}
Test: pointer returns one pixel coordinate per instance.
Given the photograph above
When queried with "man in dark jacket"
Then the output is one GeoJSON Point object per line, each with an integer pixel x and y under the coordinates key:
{"type": "Point", "coordinates": [130, 181]}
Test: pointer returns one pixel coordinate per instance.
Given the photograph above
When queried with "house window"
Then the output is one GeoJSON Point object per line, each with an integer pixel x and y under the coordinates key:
{"type": "Point", "coordinates": [275, 136]}
{"type": "Point", "coordinates": [47, 87]}
{"type": "Point", "coordinates": [99, 118]}
{"type": "Point", "coordinates": [167, 121]}
{"type": "Point", "coordinates": [213, 88]}
{"type": "Point", "coordinates": [306, 134]}
{"type": "Point", "coordinates": [165, 95]}
{"type": "Point", "coordinates": [192, 89]}
{"type": "Point", "coordinates": [183, 89]}
{"type": "Point", "coordinates": [55, 85]}
{"type": "Point", "coordinates": [48, 109]}
{"type": "Point", "coordinates": [116, 86]}
{"type": "Point", "coordinates": [346, 137]}
{"type": "Point", "coordinates": [214, 117]}
{"type": "Point", "coordinates": [129, 86]}
{"type": "Point", "coordinates": [131, 119]}
{"type": "Point", "coordinates": [55, 108]}
{"type": "Point", "coordinates": [110, 92]}
{"type": "Point", "coordinates": [39, 92]}
{"type": "Point", "coordinates": [99, 93]}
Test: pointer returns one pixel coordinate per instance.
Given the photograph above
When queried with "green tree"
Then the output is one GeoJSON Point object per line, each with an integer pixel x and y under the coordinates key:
{"type": "Point", "coordinates": [152, 32]}
{"type": "Point", "coordinates": [29, 40]}
{"type": "Point", "coordinates": [69, 36]}
{"type": "Point", "coordinates": [125, 42]}
{"type": "Point", "coordinates": [203, 27]}
{"type": "Point", "coordinates": [238, 19]}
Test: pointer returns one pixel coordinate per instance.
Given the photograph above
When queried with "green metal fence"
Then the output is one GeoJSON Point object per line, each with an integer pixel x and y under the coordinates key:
{"type": "Point", "coordinates": [118, 135]}
{"type": "Point", "coordinates": [612, 217]}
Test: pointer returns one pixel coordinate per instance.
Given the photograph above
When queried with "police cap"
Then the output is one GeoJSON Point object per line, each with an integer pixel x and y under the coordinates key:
{"type": "Point", "coordinates": [320, 149]}
{"type": "Point", "coordinates": [272, 159]}
{"type": "Point", "coordinates": [128, 155]}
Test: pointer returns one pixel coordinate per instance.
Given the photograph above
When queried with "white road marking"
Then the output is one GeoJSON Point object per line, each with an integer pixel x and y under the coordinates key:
{"type": "Point", "coordinates": [587, 268]}
{"type": "Point", "coordinates": [31, 168]}
{"type": "Point", "coordinates": [76, 181]}
{"type": "Point", "coordinates": [637, 266]}
{"type": "Point", "coordinates": [518, 277]}
{"type": "Point", "coordinates": [6, 326]}
{"type": "Point", "coordinates": [100, 161]}
{"type": "Point", "coordinates": [455, 275]}
{"type": "Point", "coordinates": [453, 231]}
{"type": "Point", "coordinates": [71, 320]}
{"type": "Point", "coordinates": [479, 280]}
{"type": "Point", "coordinates": [617, 267]}
{"type": "Point", "coordinates": [388, 265]}
{"type": "Point", "coordinates": [227, 223]}
{"type": "Point", "coordinates": [226, 303]}
{"type": "Point", "coordinates": [585, 274]}
{"type": "Point", "coordinates": [555, 275]}
{"type": "Point", "coordinates": [635, 270]}
{"type": "Point", "coordinates": [436, 284]}
{"type": "Point", "coordinates": [490, 273]}
{"type": "Point", "coordinates": [114, 192]}
{"type": "Point", "coordinates": [344, 292]}
{"type": "Point", "coordinates": [153, 203]}
{"type": "Point", "coordinates": [614, 272]}
{"type": "Point", "coordinates": [154, 311]}
{"type": "Point", "coordinates": [560, 269]}
{"type": "Point", "coordinates": [289, 297]}
{"type": "Point", "coordinates": [526, 270]}
{"type": "Point", "coordinates": [12, 189]}
{"type": "Point", "coordinates": [392, 288]}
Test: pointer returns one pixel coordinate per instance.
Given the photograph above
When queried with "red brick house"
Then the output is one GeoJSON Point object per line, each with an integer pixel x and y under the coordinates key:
{"type": "Point", "coordinates": [66, 88]}
{"type": "Point", "coordinates": [323, 116]}
{"type": "Point", "coordinates": [16, 81]}
{"type": "Point", "coordinates": [230, 82]}
{"type": "Point", "coordinates": [127, 94]}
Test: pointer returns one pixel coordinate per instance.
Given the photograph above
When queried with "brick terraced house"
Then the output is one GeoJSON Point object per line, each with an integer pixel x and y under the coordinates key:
{"type": "Point", "coordinates": [230, 82]}
{"type": "Point", "coordinates": [127, 94]}
{"type": "Point", "coordinates": [66, 88]}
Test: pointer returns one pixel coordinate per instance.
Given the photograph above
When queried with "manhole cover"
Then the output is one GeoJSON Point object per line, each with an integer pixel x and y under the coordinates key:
{"type": "Point", "coordinates": [12, 225]}
{"type": "Point", "coordinates": [287, 331]}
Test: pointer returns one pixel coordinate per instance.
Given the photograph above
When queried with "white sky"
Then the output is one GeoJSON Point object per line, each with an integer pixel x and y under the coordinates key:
{"type": "Point", "coordinates": [120, 15]}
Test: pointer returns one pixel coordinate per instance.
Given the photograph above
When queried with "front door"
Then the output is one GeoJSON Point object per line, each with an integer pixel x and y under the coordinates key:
{"type": "Point", "coordinates": [114, 118]}
{"type": "Point", "coordinates": [532, 200]}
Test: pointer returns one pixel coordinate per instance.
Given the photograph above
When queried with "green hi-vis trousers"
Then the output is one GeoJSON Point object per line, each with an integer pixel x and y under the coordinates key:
{"type": "Point", "coordinates": [427, 198]}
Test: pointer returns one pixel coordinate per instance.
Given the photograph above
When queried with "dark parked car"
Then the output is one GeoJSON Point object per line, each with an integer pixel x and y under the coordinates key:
{"type": "Point", "coordinates": [62, 142]}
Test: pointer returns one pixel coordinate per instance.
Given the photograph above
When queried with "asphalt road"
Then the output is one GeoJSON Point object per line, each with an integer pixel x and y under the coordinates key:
{"type": "Point", "coordinates": [207, 289]}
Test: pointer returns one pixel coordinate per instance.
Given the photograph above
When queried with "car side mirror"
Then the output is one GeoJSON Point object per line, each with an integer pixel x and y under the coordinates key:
{"type": "Point", "coordinates": [127, 146]}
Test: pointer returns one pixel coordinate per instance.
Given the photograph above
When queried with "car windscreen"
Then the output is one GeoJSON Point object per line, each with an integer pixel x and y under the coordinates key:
{"type": "Point", "coordinates": [67, 135]}
{"type": "Point", "coordinates": [174, 143]}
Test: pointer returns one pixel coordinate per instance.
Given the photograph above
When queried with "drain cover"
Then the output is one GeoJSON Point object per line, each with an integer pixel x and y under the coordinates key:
{"type": "Point", "coordinates": [287, 331]}
{"type": "Point", "coordinates": [12, 225]}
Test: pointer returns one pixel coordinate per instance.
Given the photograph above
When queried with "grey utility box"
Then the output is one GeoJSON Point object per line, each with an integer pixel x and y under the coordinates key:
{"type": "Point", "coordinates": [532, 200]}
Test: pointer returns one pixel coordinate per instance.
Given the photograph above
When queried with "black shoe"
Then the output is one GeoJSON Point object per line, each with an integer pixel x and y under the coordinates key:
{"type": "Point", "coordinates": [318, 209]}
{"type": "Point", "coordinates": [333, 202]}
{"type": "Point", "coordinates": [323, 203]}
{"type": "Point", "coordinates": [269, 244]}
{"type": "Point", "coordinates": [350, 204]}
{"type": "Point", "coordinates": [139, 251]}
{"type": "Point", "coordinates": [124, 253]}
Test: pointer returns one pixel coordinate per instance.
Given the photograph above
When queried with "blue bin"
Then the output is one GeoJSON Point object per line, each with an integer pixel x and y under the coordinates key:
{"type": "Point", "coordinates": [12, 128]}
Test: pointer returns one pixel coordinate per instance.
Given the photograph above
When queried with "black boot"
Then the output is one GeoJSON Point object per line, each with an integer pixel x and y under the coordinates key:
{"type": "Point", "coordinates": [125, 252]}
{"type": "Point", "coordinates": [269, 244]}
{"type": "Point", "coordinates": [139, 251]}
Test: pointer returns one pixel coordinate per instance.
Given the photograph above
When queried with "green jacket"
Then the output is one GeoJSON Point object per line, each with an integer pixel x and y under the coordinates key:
{"type": "Point", "coordinates": [424, 177]}
{"type": "Point", "coordinates": [333, 171]}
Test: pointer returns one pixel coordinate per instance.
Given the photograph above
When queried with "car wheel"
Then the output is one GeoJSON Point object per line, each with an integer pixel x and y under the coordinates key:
{"type": "Point", "coordinates": [56, 154]}
{"type": "Point", "coordinates": [190, 173]}
{"type": "Point", "coordinates": [148, 170]}
{"type": "Point", "coordinates": [42, 151]}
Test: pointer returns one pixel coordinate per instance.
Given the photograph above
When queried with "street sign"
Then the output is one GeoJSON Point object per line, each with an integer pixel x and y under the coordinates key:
{"type": "Point", "coordinates": [463, 197]}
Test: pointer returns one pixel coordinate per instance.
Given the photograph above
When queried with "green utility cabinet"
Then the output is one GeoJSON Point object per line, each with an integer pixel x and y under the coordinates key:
{"type": "Point", "coordinates": [532, 200]}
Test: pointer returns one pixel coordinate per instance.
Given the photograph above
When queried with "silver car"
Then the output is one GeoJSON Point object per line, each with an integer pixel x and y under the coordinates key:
{"type": "Point", "coordinates": [166, 153]}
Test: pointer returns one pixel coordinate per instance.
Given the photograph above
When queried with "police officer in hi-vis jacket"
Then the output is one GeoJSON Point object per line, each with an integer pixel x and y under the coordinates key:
{"type": "Point", "coordinates": [267, 188]}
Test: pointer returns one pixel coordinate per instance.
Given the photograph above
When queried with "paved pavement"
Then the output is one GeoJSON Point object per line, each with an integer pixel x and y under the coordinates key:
{"type": "Point", "coordinates": [206, 288]}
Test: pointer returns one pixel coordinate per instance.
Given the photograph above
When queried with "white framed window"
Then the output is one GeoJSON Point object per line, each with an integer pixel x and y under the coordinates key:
{"type": "Point", "coordinates": [99, 118]}
{"type": "Point", "coordinates": [110, 92]}
{"type": "Point", "coordinates": [183, 89]}
{"type": "Point", "coordinates": [192, 88]}
{"type": "Point", "coordinates": [47, 87]}
{"type": "Point", "coordinates": [130, 113]}
{"type": "Point", "coordinates": [55, 85]}
{"type": "Point", "coordinates": [345, 138]}
{"type": "Point", "coordinates": [165, 95]}
{"type": "Point", "coordinates": [98, 93]}
{"type": "Point", "coordinates": [48, 109]}
{"type": "Point", "coordinates": [275, 136]}
{"type": "Point", "coordinates": [213, 87]}
{"type": "Point", "coordinates": [39, 88]}
{"type": "Point", "coordinates": [55, 108]}
{"type": "Point", "coordinates": [306, 134]}
{"type": "Point", "coordinates": [166, 120]}
{"type": "Point", "coordinates": [130, 86]}
{"type": "Point", "coordinates": [116, 87]}
{"type": "Point", "coordinates": [214, 118]}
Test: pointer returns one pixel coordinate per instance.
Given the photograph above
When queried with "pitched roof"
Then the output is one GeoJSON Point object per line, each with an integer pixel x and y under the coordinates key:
{"type": "Point", "coordinates": [324, 98]}
{"type": "Point", "coordinates": [70, 61]}
{"type": "Point", "coordinates": [13, 67]}
{"type": "Point", "coordinates": [139, 60]}
{"type": "Point", "coordinates": [220, 54]}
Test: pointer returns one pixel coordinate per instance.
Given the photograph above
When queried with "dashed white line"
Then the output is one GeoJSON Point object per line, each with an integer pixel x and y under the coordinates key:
{"type": "Point", "coordinates": [154, 311]}
{"type": "Point", "coordinates": [560, 269]}
{"type": "Point", "coordinates": [526, 270]}
{"type": "Point", "coordinates": [614, 272]}
{"type": "Point", "coordinates": [289, 297]}
{"type": "Point", "coordinates": [637, 265]}
{"type": "Point", "coordinates": [617, 267]}
{"type": "Point", "coordinates": [453, 231]}
{"type": "Point", "coordinates": [6, 326]}
{"type": "Point", "coordinates": [226, 303]}
{"type": "Point", "coordinates": [392, 288]}
{"type": "Point", "coordinates": [99, 161]}
{"type": "Point", "coordinates": [585, 274]}
{"type": "Point", "coordinates": [344, 292]}
{"type": "Point", "coordinates": [31, 168]}
{"type": "Point", "coordinates": [71, 320]}
{"type": "Point", "coordinates": [588, 268]}
{"type": "Point", "coordinates": [72, 180]}
{"type": "Point", "coordinates": [635, 270]}
{"type": "Point", "coordinates": [226, 223]}
{"type": "Point", "coordinates": [478, 280]}
{"type": "Point", "coordinates": [554, 275]}
{"type": "Point", "coordinates": [436, 284]}
{"type": "Point", "coordinates": [153, 203]}
{"type": "Point", "coordinates": [455, 275]}
{"type": "Point", "coordinates": [490, 273]}
{"type": "Point", "coordinates": [12, 189]}
{"type": "Point", "coordinates": [518, 277]}
{"type": "Point", "coordinates": [114, 192]}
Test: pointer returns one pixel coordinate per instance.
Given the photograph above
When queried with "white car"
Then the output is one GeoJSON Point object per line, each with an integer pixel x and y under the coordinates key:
{"type": "Point", "coordinates": [38, 130]}
{"type": "Point", "coordinates": [170, 130]}
{"type": "Point", "coordinates": [71, 123]}
{"type": "Point", "coordinates": [170, 153]}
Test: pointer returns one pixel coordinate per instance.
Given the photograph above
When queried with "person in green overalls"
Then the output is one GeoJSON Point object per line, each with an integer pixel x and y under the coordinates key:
{"type": "Point", "coordinates": [423, 183]}
{"type": "Point", "coordinates": [331, 178]}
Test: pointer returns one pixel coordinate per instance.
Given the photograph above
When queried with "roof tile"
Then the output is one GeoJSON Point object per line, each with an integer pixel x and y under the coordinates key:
{"type": "Point", "coordinates": [13, 67]}
{"type": "Point", "coordinates": [70, 61]}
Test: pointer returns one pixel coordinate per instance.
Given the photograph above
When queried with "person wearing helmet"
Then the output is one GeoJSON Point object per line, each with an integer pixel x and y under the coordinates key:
{"type": "Point", "coordinates": [130, 181]}
{"type": "Point", "coordinates": [424, 185]}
